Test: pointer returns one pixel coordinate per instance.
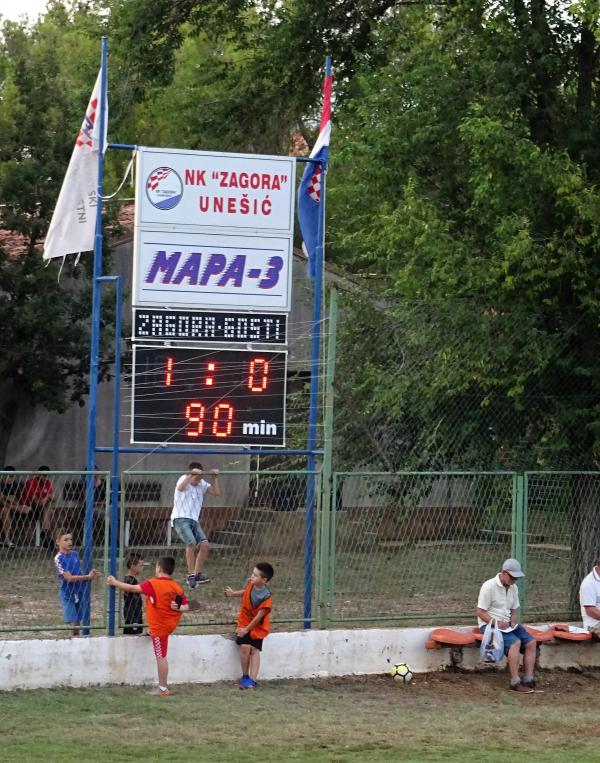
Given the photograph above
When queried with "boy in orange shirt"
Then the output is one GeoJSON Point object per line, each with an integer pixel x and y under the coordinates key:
{"type": "Point", "coordinates": [253, 621]}
{"type": "Point", "coordinates": [165, 601]}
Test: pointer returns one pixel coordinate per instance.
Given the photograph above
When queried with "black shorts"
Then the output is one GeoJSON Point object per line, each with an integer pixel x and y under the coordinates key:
{"type": "Point", "coordinates": [255, 642]}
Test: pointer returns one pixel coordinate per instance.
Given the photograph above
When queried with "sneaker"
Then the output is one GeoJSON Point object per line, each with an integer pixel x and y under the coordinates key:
{"type": "Point", "coordinates": [192, 581]}
{"type": "Point", "coordinates": [251, 684]}
{"type": "Point", "coordinates": [245, 682]}
{"type": "Point", "coordinates": [522, 688]}
{"type": "Point", "coordinates": [158, 692]}
{"type": "Point", "coordinates": [531, 683]}
{"type": "Point", "coordinates": [201, 578]}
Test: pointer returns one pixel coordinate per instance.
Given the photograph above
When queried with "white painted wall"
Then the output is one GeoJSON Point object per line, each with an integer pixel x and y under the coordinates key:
{"type": "Point", "coordinates": [33, 664]}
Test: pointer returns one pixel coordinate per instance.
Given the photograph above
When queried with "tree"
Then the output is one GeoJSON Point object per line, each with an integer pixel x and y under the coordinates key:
{"type": "Point", "coordinates": [475, 208]}
{"type": "Point", "coordinates": [44, 344]}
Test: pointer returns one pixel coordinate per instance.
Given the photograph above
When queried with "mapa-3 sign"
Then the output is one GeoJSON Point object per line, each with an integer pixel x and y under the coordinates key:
{"type": "Point", "coordinates": [212, 270]}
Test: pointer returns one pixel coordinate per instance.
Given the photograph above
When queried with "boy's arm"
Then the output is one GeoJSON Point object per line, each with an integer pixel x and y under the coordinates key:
{"type": "Point", "coordinates": [231, 593]}
{"type": "Point", "coordinates": [215, 487]}
{"type": "Point", "coordinates": [261, 614]}
{"type": "Point", "coordinates": [127, 587]}
{"type": "Point", "coordinates": [70, 578]}
{"type": "Point", "coordinates": [182, 485]}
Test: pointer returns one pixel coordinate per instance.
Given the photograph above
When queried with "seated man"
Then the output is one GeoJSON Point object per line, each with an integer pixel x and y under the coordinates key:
{"type": "Point", "coordinates": [589, 599]}
{"type": "Point", "coordinates": [9, 504]}
{"type": "Point", "coordinates": [499, 601]}
{"type": "Point", "coordinates": [38, 495]}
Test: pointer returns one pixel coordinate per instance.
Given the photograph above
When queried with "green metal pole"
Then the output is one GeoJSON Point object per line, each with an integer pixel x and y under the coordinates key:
{"type": "Point", "coordinates": [519, 532]}
{"type": "Point", "coordinates": [326, 473]}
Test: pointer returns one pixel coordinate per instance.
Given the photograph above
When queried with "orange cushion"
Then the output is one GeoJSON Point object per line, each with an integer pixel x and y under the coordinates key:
{"type": "Point", "coordinates": [540, 636]}
{"type": "Point", "coordinates": [455, 638]}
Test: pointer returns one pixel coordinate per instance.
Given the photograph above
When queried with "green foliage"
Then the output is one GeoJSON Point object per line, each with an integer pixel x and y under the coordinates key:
{"type": "Point", "coordinates": [44, 344]}
{"type": "Point", "coordinates": [457, 176]}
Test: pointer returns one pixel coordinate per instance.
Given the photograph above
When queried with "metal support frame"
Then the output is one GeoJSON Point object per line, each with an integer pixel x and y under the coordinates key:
{"type": "Point", "coordinates": [311, 451]}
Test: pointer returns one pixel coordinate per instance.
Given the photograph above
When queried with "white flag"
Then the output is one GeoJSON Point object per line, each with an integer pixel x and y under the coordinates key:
{"type": "Point", "coordinates": [73, 223]}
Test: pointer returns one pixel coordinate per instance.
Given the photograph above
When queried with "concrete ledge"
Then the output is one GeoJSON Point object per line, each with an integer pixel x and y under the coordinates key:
{"type": "Point", "coordinates": [96, 661]}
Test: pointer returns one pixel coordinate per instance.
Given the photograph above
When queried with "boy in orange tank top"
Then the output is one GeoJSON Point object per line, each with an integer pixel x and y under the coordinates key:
{"type": "Point", "coordinates": [253, 621]}
{"type": "Point", "coordinates": [165, 601]}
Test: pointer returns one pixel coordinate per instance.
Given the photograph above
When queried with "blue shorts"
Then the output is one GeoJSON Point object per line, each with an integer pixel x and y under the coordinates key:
{"type": "Point", "coordinates": [72, 607]}
{"type": "Point", "coordinates": [510, 638]}
{"type": "Point", "coordinates": [189, 531]}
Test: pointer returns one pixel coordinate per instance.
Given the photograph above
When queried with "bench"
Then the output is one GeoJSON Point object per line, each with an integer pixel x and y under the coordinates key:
{"type": "Point", "coordinates": [451, 637]}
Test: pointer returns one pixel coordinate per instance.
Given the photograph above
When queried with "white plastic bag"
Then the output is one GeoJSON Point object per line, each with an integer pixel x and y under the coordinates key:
{"type": "Point", "coordinates": [492, 644]}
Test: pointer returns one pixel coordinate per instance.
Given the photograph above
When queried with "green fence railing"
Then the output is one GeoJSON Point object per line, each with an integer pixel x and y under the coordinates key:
{"type": "Point", "coordinates": [409, 547]}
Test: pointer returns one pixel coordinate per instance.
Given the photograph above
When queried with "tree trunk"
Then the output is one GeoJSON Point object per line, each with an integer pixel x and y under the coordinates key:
{"type": "Point", "coordinates": [8, 415]}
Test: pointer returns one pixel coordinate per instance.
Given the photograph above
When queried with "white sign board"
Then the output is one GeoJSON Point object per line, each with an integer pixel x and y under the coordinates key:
{"type": "Point", "coordinates": [188, 190]}
{"type": "Point", "coordinates": [212, 270]}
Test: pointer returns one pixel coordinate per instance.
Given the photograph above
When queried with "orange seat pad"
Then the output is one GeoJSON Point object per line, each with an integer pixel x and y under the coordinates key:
{"type": "Point", "coordinates": [449, 636]}
{"type": "Point", "coordinates": [562, 632]}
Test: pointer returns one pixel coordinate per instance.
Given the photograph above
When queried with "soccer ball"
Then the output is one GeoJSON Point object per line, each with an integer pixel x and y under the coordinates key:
{"type": "Point", "coordinates": [401, 673]}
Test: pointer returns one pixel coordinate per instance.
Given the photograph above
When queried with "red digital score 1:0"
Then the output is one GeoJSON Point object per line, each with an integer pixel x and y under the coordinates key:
{"type": "Point", "coordinates": [222, 419]}
{"type": "Point", "coordinates": [201, 395]}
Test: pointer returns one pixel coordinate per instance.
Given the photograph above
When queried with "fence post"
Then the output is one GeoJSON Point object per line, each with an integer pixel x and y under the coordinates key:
{"type": "Point", "coordinates": [519, 532]}
{"type": "Point", "coordinates": [326, 471]}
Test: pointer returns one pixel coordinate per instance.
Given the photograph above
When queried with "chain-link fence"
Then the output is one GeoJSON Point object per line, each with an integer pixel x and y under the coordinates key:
{"type": "Point", "coordinates": [458, 384]}
{"type": "Point", "coordinates": [416, 545]}
{"type": "Point", "coordinates": [407, 547]}
{"type": "Point", "coordinates": [35, 508]}
{"type": "Point", "coordinates": [258, 516]}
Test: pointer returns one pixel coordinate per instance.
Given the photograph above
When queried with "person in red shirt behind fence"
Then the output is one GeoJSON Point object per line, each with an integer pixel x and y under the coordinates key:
{"type": "Point", "coordinates": [38, 493]}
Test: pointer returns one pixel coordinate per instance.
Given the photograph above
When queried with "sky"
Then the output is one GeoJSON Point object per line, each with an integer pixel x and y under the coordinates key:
{"type": "Point", "coordinates": [14, 9]}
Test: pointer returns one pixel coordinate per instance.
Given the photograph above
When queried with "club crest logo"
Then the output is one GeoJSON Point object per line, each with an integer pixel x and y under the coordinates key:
{"type": "Point", "coordinates": [164, 188]}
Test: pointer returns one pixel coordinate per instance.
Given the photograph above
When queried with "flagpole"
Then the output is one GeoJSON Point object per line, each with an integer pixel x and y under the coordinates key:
{"type": "Point", "coordinates": [314, 395]}
{"type": "Point", "coordinates": [88, 525]}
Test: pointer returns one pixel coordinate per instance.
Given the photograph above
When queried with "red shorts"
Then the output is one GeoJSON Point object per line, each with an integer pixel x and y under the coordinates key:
{"type": "Point", "coordinates": [160, 644]}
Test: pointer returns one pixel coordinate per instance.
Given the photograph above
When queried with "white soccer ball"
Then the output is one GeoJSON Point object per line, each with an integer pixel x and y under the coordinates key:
{"type": "Point", "coordinates": [401, 673]}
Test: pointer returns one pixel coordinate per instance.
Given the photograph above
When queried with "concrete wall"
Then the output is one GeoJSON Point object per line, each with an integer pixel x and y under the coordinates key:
{"type": "Point", "coordinates": [31, 664]}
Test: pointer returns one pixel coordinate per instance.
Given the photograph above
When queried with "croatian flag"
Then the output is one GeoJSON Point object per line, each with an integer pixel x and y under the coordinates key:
{"type": "Point", "coordinates": [73, 225]}
{"type": "Point", "coordinates": [309, 195]}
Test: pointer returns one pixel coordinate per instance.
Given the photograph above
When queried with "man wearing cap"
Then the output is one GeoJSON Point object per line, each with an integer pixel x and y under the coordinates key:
{"type": "Point", "coordinates": [499, 601]}
{"type": "Point", "coordinates": [589, 599]}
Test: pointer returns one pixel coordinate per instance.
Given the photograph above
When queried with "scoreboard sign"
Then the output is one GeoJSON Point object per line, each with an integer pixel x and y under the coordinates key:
{"type": "Point", "coordinates": [207, 396]}
{"type": "Point", "coordinates": [183, 190]}
{"type": "Point", "coordinates": [211, 270]}
{"type": "Point", "coordinates": [203, 326]}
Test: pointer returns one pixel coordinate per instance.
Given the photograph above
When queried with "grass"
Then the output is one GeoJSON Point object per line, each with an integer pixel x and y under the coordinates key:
{"type": "Point", "coordinates": [439, 717]}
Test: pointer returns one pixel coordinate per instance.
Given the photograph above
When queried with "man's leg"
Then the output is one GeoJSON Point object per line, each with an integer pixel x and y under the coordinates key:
{"type": "Point", "coordinates": [201, 556]}
{"type": "Point", "coordinates": [6, 523]}
{"type": "Point", "coordinates": [190, 557]}
{"type": "Point", "coordinates": [529, 662]}
{"type": "Point", "coordinates": [513, 659]}
{"type": "Point", "coordinates": [254, 664]}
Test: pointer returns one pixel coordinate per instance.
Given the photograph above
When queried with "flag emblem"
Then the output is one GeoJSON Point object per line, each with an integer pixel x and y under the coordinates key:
{"type": "Point", "coordinates": [314, 186]}
{"type": "Point", "coordinates": [313, 181]}
{"type": "Point", "coordinates": [164, 188]}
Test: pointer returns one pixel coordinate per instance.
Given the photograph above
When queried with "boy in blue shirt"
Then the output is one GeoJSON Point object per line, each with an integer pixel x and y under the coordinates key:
{"type": "Point", "coordinates": [72, 581]}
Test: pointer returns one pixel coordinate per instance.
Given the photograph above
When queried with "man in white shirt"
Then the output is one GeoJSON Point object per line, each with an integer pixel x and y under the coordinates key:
{"type": "Point", "coordinates": [589, 599]}
{"type": "Point", "coordinates": [499, 601]}
{"type": "Point", "coordinates": [187, 505]}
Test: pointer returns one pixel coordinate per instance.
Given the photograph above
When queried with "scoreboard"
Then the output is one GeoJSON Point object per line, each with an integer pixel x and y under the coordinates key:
{"type": "Point", "coordinates": [211, 294]}
{"type": "Point", "coordinates": [207, 396]}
